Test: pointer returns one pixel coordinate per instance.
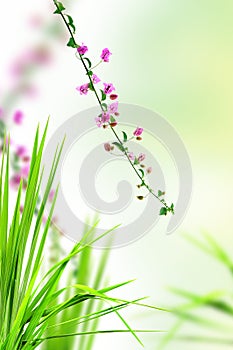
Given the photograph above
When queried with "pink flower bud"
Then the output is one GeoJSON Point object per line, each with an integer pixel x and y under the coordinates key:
{"type": "Point", "coordinates": [141, 157]}
{"type": "Point", "coordinates": [113, 97]}
{"type": "Point", "coordinates": [107, 147]}
{"type": "Point", "coordinates": [138, 131]}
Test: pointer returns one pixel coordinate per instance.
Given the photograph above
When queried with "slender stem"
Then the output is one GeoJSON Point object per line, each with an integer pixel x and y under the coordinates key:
{"type": "Point", "coordinates": [102, 108]}
{"type": "Point", "coordinates": [96, 65]}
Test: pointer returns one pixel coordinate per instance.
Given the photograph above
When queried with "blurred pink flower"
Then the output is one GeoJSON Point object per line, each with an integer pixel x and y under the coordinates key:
{"type": "Point", "coordinates": [141, 157]}
{"type": "Point", "coordinates": [99, 122]}
{"type": "Point", "coordinates": [131, 156]}
{"type": "Point", "coordinates": [105, 117]}
{"type": "Point", "coordinates": [113, 108]}
{"type": "Point", "coordinates": [21, 151]}
{"type": "Point", "coordinates": [18, 117]}
{"type": "Point", "coordinates": [51, 195]}
{"type": "Point", "coordinates": [25, 171]}
{"type": "Point", "coordinates": [15, 180]}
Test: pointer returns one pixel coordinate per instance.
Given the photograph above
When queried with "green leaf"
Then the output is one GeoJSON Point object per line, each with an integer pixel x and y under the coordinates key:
{"type": "Point", "coordinates": [2, 129]}
{"type": "Point", "coordinates": [71, 23]}
{"type": "Point", "coordinates": [60, 8]}
{"type": "Point", "coordinates": [112, 119]}
{"type": "Point", "coordinates": [91, 87]}
{"type": "Point", "coordinates": [90, 73]}
{"type": "Point", "coordinates": [119, 146]}
{"type": "Point", "coordinates": [125, 137]}
{"type": "Point", "coordinates": [163, 211]}
{"type": "Point", "coordinates": [160, 193]}
{"type": "Point", "coordinates": [88, 62]}
{"type": "Point", "coordinates": [142, 172]}
{"type": "Point", "coordinates": [72, 43]}
{"type": "Point", "coordinates": [103, 95]}
{"type": "Point", "coordinates": [105, 107]}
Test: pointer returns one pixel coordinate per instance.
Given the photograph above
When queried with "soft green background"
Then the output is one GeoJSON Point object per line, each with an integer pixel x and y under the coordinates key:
{"type": "Point", "coordinates": [175, 57]}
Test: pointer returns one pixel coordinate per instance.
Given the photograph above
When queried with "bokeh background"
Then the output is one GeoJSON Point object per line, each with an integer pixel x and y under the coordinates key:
{"type": "Point", "coordinates": [174, 57]}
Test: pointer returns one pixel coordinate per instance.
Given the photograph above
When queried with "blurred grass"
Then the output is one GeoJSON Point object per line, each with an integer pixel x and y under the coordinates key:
{"type": "Point", "coordinates": [206, 318]}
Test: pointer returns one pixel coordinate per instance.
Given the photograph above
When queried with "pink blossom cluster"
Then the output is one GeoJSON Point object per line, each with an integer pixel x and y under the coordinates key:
{"type": "Point", "coordinates": [110, 112]}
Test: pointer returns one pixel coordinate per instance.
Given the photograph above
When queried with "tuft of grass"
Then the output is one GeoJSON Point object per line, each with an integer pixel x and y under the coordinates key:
{"type": "Point", "coordinates": [34, 307]}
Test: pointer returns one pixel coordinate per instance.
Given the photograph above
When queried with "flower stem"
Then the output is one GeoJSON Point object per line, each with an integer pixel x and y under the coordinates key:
{"type": "Point", "coordinates": [102, 108]}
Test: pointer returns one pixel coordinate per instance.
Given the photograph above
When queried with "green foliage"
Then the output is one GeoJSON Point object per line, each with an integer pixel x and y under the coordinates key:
{"type": "Point", "coordinates": [88, 62]}
{"type": "Point", "coordinates": [71, 23]}
{"type": "Point", "coordinates": [35, 308]}
{"type": "Point", "coordinates": [60, 7]}
{"type": "Point", "coordinates": [210, 312]}
{"type": "Point", "coordinates": [125, 137]}
{"type": "Point", "coordinates": [72, 43]}
{"type": "Point", "coordinates": [119, 146]}
{"type": "Point", "coordinates": [163, 211]}
{"type": "Point", "coordinates": [103, 95]}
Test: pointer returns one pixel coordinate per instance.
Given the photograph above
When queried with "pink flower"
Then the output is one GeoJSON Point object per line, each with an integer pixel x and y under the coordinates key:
{"type": "Point", "coordinates": [105, 55]}
{"type": "Point", "coordinates": [21, 151]}
{"type": "Point", "coordinates": [131, 156]}
{"type": "Point", "coordinates": [95, 79]}
{"type": "Point", "coordinates": [113, 108]}
{"type": "Point", "coordinates": [83, 89]}
{"type": "Point", "coordinates": [99, 122]}
{"type": "Point", "coordinates": [107, 147]}
{"type": "Point", "coordinates": [82, 49]}
{"type": "Point", "coordinates": [141, 157]}
{"type": "Point", "coordinates": [105, 117]}
{"type": "Point", "coordinates": [138, 131]}
{"type": "Point", "coordinates": [25, 171]}
{"type": "Point", "coordinates": [18, 117]}
{"type": "Point", "coordinates": [108, 88]}
{"type": "Point", "coordinates": [51, 195]}
{"type": "Point", "coordinates": [15, 180]}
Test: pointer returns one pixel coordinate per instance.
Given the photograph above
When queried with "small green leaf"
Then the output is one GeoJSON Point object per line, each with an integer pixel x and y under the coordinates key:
{"type": "Point", "coordinates": [71, 23]}
{"type": "Point", "coordinates": [125, 137]}
{"type": "Point", "coordinates": [90, 73]}
{"type": "Point", "coordinates": [172, 208]}
{"type": "Point", "coordinates": [2, 129]}
{"type": "Point", "coordinates": [112, 119]}
{"type": "Point", "coordinates": [103, 97]}
{"type": "Point", "coordinates": [60, 8]}
{"type": "Point", "coordinates": [136, 162]}
{"type": "Point", "coordinates": [91, 87]}
{"type": "Point", "coordinates": [72, 43]}
{"type": "Point", "coordinates": [88, 61]}
{"type": "Point", "coordinates": [160, 193]}
{"type": "Point", "coordinates": [119, 146]}
{"type": "Point", "coordinates": [163, 211]}
{"type": "Point", "coordinates": [105, 107]}
{"type": "Point", "coordinates": [142, 172]}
